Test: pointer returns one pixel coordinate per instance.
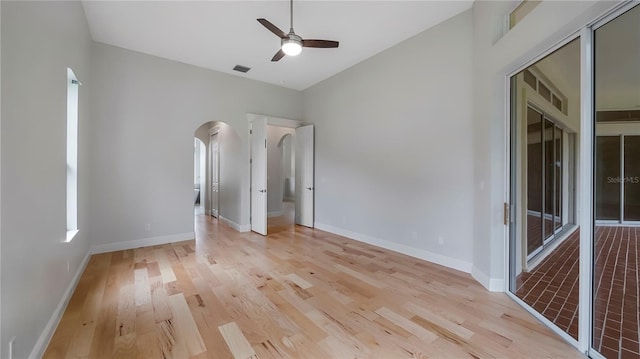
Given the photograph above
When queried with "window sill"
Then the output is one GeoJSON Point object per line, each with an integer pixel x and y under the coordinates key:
{"type": "Point", "coordinates": [71, 235]}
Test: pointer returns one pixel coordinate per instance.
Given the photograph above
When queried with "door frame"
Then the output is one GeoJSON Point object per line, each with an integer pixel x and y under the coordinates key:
{"type": "Point", "coordinates": [214, 131]}
{"type": "Point", "coordinates": [271, 121]}
{"type": "Point", "coordinates": [585, 171]}
{"type": "Point", "coordinates": [509, 197]}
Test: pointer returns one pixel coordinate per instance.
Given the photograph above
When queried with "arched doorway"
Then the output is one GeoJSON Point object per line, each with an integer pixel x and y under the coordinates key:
{"type": "Point", "coordinates": [220, 160]}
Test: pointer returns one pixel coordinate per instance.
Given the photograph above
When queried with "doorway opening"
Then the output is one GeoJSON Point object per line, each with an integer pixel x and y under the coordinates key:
{"type": "Point", "coordinates": [199, 175]}
{"type": "Point", "coordinates": [282, 183]}
{"type": "Point", "coordinates": [280, 178]}
{"type": "Point", "coordinates": [218, 161]}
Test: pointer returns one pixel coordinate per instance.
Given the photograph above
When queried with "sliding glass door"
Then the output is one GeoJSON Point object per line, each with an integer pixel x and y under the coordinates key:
{"type": "Point", "coordinates": [545, 238]}
{"type": "Point", "coordinates": [544, 179]}
{"type": "Point", "coordinates": [616, 181]}
{"type": "Point", "coordinates": [574, 240]}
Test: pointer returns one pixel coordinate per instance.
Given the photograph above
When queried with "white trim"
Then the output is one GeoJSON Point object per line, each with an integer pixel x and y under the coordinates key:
{"type": "Point", "coordinates": [71, 235]}
{"type": "Point", "coordinates": [276, 121]}
{"type": "Point", "coordinates": [143, 242]}
{"type": "Point", "coordinates": [52, 324]}
{"type": "Point", "coordinates": [234, 225]}
{"type": "Point", "coordinates": [436, 258]}
{"type": "Point", "coordinates": [275, 213]}
{"type": "Point", "coordinates": [491, 284]}
{"type": "Point", "coordinates": [585, 215]}
{"type": "Point", "coordinates": [618, 223]}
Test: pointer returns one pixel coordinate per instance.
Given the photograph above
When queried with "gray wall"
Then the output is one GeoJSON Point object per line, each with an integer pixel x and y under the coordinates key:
{"type": "Point", "coordinates": [275, 168]}
{"type": "Point", "coordinates": [146, 111]}
{"type": "Point", "coordinates": [394, 146]}
{"type": "Point", "coordinates": [39, 41]}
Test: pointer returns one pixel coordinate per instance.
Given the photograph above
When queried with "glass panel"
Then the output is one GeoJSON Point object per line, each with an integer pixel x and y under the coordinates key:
{"type": "Point", "coordinates": [544, 91]}
{"type": "Point", "coordinates": [549, 183]}
{"type": "Point", "coordinates": [545, 275]}
{"type": "Point", "coordinates": [530, 79]}
{"type": "Point", "coordinates": [607, 178]}
{"type": "Point", "coordinates": [557, 103]}
{"type": "Point", "coordinates": [632, 178]}
{"type": "Point", "coordinates": [558, 180]}
{"type": "Point", "coordinates": [618, 116]}
{"type": "Point", "coordinates": [616, 304]}
{"type": "Point", "coordinates": [534, 180]}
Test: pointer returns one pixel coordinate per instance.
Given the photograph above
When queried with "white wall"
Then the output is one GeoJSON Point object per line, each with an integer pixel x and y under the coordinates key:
{"type": "Point", "coordinates": [495, 57]}
{"type": "Point", "coordinates": [146, 112]}
{"type": "Point", "coordinates": [275, 168]}
{"type": "Point", "coordinates": [394, 146]}
{"type": "Point", "coordinates": [39, 41]}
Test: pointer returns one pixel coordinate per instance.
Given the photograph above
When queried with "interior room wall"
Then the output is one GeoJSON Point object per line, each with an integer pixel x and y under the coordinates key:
{"type": "Point", "coordinates": [289, 166]}
{"type": "Point", "coordinates": [394, 147]}
{"type": "Point", "coordinates": [146, 111]}
{"type": "Point", "coordinates": [496, 55]}
{"type": "Point", "coordinates": [275, 168]}
{"type": "Point", "coordinates": [39, 41]}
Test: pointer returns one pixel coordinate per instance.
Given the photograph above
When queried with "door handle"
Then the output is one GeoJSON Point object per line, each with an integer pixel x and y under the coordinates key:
{"type": "Point", "coordinates": [262, 190]}
{"type": "Point", "coordinates": [310, 188]}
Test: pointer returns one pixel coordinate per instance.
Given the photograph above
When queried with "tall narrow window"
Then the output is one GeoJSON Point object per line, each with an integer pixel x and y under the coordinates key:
{"type": "Point", "coordinates": [72, 155]}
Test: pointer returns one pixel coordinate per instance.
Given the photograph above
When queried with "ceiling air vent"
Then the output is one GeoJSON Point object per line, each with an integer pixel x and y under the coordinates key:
{"type": "Point", "coordinates": [241, 68]}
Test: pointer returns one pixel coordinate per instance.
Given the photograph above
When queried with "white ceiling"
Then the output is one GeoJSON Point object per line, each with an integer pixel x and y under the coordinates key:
{"type": "Point", "coordinates": [221, 34]}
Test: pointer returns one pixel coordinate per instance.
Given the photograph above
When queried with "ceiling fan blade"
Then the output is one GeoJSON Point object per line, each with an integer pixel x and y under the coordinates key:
{"type": "Point", "coordinates": [273, 28]}
{"type": "Point", "coordinates": [320, 43]}
{"type": "Point", "coordinates": [280, 54]}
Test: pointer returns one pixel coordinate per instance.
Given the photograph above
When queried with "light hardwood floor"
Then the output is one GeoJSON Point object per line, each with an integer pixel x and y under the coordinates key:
{"type": "Point", "coordinates": [297, 293]}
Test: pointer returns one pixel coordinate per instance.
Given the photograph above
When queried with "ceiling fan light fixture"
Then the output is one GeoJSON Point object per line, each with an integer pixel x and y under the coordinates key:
{"type": "Point", "coordinates": [291, 46]}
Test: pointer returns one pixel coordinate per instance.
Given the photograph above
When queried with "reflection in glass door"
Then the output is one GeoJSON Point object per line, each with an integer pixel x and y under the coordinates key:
{"type": "Point", "coordinates": [544, 180]}
{"type": "Point", "coordinates": [616, 253]}
{"type": "Point", "coordinates": [545, 240]}
{"type": "Point", "coordinates": [607, 176]}
{"type": "Point", "coordinates": [631, 177]}
{"type": "Point", "coordinates": [534, 181]}
{"type": "Point", "coordinates": [558, 173]}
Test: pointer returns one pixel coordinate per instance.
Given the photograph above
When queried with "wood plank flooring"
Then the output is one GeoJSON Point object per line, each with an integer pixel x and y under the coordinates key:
{"type": "Point", "coordinates": [297, 293]}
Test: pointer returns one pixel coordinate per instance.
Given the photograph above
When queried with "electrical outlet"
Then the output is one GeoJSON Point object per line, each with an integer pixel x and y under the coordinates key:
{"type": "Point", "coordinates": [440, 240]}
{"type": "Point", "coordinates": [147, 227]}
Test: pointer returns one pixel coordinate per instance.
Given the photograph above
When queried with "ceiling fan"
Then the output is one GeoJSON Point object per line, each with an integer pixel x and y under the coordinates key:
{"type": "Point", "coordinates": [292, 44]}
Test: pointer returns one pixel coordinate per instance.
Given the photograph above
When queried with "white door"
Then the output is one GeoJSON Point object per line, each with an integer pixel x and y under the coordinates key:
{"type": "Point", "coordinates": [215, 174]}
{"type": "Point", "coordinates": [304, 175]}
{"type": "Point", "coordinates": [259, 175]}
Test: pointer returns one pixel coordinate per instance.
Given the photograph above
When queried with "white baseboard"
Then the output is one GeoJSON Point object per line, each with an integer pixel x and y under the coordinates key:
{"type": "Point", "coordinates": [492, 284]}
{"type": "Point", "coordinates": [400, 248]}
{"type": "Point", "coordinates": [275, 213]}
{"type": "Point", "coordinates": [52, 324]}
{"type": "Point", "coordinates": [144, 242]}
{"type": "Point", "coordinates": [236, 226]}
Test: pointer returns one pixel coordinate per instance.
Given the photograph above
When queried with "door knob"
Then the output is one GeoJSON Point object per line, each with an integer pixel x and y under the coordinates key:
{"type": "Point", "coordinates": [262, 191]}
